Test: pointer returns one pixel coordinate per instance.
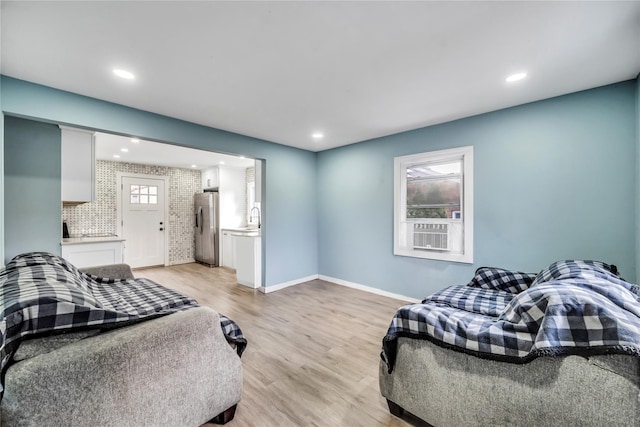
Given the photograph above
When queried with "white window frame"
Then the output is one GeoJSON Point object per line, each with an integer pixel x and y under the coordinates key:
{"type": "Point", "coordinates": [465, 255]}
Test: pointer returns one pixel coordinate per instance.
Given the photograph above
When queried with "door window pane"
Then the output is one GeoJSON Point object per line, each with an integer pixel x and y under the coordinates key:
{"type": "Point", "coordinates": [144, 194]}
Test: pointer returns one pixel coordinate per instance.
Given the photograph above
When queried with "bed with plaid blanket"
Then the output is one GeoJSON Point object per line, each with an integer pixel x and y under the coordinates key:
{"type": "Point", "coordinates": [571, 307]}
{"type": "Point", "coordinates": [42, 293]}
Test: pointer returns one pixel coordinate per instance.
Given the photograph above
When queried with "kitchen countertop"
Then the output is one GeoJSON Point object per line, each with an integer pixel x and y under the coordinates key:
{"type": "Point", "coordinates": [243, 231]}
{"type": "Point", "coordinates": [82, 240]}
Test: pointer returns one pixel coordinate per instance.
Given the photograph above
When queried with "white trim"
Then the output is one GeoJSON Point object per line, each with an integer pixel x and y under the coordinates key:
{"type": "Point", "coordinates": [182, 261]}
{"type": "Point", "coordinates": [340, 282]}
{"type": "Point", "coordinates": [273, 288]}
{"type": "Point", "coordinates": [399, 201]}
{"type": "Point", "coordinates": [119, 176]}
{"type": "Point", "coordinates": [369, 289]}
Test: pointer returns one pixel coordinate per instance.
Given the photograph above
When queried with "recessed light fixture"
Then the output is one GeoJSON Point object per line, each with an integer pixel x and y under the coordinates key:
{"type": "Point", "coordinates": [135, 140]}
{"type": "Point", "coordinates": [124, 74]}
{"type": "Point", "coordinates": [117, 156]}
{"type": "Point", "coordinates": [317, 135]}
{"type": "Point", "coordinates": [516, 77]}
{"type": "Point", "coordinates": [222, 163]}
{"type": "Point", "coordinates": [124, 150]}
{"type": "Point", "coordinates": [194, 166]}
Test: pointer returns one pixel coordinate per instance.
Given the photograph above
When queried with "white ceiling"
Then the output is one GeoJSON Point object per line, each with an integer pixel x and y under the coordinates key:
{"type": "Point", "coordinates": [155, 153]}
{"type": "Point", "coordinates": [354, 70]}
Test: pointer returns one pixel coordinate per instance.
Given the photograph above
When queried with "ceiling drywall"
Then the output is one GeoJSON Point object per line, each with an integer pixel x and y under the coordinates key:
{"type": "Point", "coordinates": [154, 153]}
{"type": "Point", "coordinates": [352, 70]}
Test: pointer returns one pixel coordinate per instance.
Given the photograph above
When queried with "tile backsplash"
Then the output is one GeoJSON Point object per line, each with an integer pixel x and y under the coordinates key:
{"type": "Point", "coordinates": [100, 216]}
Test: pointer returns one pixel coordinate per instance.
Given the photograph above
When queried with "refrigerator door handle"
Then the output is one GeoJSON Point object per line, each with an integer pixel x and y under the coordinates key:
{"type": "Point", "coordinates": [200, 215]}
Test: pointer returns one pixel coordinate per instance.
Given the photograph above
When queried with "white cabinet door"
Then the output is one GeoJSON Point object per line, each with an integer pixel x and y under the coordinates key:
{"type": "Point", "coordinates": [228, 258]}
{"type": "Point", "coordinates": [93, 254]}
{"type": "Point", "coordinates": [210, 178]}
{"type": "Point", "coordinates": [248, 261]}
{"type": "Point", "coordinates": [78, 165]}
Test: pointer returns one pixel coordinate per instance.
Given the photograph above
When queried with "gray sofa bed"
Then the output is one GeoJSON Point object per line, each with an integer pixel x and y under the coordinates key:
{"type": "Point", "coordinates": [175, 370]}
{"type": "Point", "coordinates": [449, 388]}
{"type": "Point", "coordinates": [556, 348]}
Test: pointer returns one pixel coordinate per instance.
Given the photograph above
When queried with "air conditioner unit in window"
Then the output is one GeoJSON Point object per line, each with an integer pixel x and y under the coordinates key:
{"type": "Point", "coordinates": [431, 236]}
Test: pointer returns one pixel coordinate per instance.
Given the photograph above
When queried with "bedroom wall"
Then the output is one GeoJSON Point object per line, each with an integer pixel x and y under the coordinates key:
{"type": "Point", "coordinates": [289, 202]}
{"type": "Point", "coordinates": [32, 189]}
{"type": "Point", "coordinates": [638, 178]}
{"type": "Point", "coordinates": [553, 180]}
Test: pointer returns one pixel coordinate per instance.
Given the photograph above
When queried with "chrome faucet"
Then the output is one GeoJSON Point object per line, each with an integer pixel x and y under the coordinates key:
{"type": "Point", "coordinates": [253, 218]}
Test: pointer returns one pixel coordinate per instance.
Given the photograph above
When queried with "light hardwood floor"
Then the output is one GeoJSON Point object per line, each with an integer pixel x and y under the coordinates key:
{"type": "Point", "coordinates": [313, 352]}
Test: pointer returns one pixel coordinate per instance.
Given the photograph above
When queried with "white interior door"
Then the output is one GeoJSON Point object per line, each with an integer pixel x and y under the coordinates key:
{"type": "Point", "coordinates": [143, 221]}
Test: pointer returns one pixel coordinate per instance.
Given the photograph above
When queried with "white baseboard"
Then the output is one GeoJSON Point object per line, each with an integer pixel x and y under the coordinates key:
{"type": "Point", "coordinates": [182, 261]}
{"type": "Point", "coordinates": [369, 289]}
{"type": "Point", "coordinates": [273, 288]}
{"type": "Point", "coordinates": [269, 289]}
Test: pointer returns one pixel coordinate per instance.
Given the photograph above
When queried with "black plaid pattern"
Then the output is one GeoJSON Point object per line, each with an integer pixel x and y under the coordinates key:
{"type": "Point", "coordinates": [42, 292]}
{"type": "Point", "coordinates": [574, 268]}
{"type": "Point", "coordinates": [584, 309]}
{"type": "Point", "coordinates": [487, 302]}
{"type": "Point", "coordinates": [501, 280]}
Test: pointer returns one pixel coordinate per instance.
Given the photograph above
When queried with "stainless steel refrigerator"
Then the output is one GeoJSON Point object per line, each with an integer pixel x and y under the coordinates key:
{"type": "Point", "coordinates": [206, 228]}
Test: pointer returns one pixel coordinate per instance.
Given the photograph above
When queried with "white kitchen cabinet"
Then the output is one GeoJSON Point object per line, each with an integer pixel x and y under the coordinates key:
{"type": "Point", "coordinates": [210, 178]}
{"type": "Point", "coordinates": [78, 165]}
{"type": "Point", "coordinates": [233, 205]}
{"type": "Point", "coordinates": [228, 257]}
{"type": "Point", "coordinates": [91, 252]}
{"type": "Point", "coordinates": [248, 260]}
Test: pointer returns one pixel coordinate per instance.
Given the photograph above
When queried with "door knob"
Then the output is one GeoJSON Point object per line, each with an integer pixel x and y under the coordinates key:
{"type": "Point", "coordinates": [161, 229]}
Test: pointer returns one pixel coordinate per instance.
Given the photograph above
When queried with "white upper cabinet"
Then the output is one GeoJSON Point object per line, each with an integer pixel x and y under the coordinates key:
{"type": "Point", "coordinates": [78, 165]}
{"type": "Point", "coordinates": [233, 205]}
{"type": "Point", "coordinates": [210, 178]}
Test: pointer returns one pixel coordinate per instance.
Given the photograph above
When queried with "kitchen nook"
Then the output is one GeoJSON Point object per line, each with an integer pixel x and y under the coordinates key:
{"type": "Point", "coordinates": [126, 200]}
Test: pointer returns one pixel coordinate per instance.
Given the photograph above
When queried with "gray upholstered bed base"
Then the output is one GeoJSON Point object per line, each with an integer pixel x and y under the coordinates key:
{"type": "Point", "coordinates": [449, 388]}
{"type": "Point", "coordinates": [175, 370]}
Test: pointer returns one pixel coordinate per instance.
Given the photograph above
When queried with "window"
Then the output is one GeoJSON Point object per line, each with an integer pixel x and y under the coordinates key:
{"type": "Point", "coordinates": [433, 205]}
{"type": "Point", "coordinates": [144, 194]}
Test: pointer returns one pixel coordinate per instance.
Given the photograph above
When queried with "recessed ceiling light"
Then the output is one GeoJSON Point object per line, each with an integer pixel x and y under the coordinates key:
{"type": "Point", "coordinates": [117, 156]}
{"type": "Point", "coordinates": [124, 74]}
{"type": "Point", "coordinates": [317, 135]}
{"type": "Point", "coordinates": [194, 166]}
{"type": "Point", "coordinates": [222, 163]}
{"type": "Point", "coordinates": [124, 150]}
{"type": "Point", "coordinates": [135, 140]}
{"type": "Point", "coordinates": [516, 77]}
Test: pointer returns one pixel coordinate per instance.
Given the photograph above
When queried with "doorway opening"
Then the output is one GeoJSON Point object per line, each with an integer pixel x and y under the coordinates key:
{"type": "Point", "coordinates": [186, 172]}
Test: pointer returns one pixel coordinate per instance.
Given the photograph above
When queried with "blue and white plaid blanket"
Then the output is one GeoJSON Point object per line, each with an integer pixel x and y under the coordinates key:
{"type": "Point", "coordinates": [571, 307]}
{"type": "Point", "coordinates": [43, 293]}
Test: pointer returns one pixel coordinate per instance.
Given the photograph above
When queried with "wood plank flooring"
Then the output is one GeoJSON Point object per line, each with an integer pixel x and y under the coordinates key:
{"type": "Point", "coordinates": [313, 352]}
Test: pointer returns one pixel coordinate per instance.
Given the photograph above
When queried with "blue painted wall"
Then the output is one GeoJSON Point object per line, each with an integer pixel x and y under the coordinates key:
{"type": "Point", "coordinates": [554, 179]}
{"type": "Point", "coordinates": [638, 177]}
{"type": "Point", "coordinates": [33, 213]}
{"type": "Point", "coordinates": [289, 202]}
